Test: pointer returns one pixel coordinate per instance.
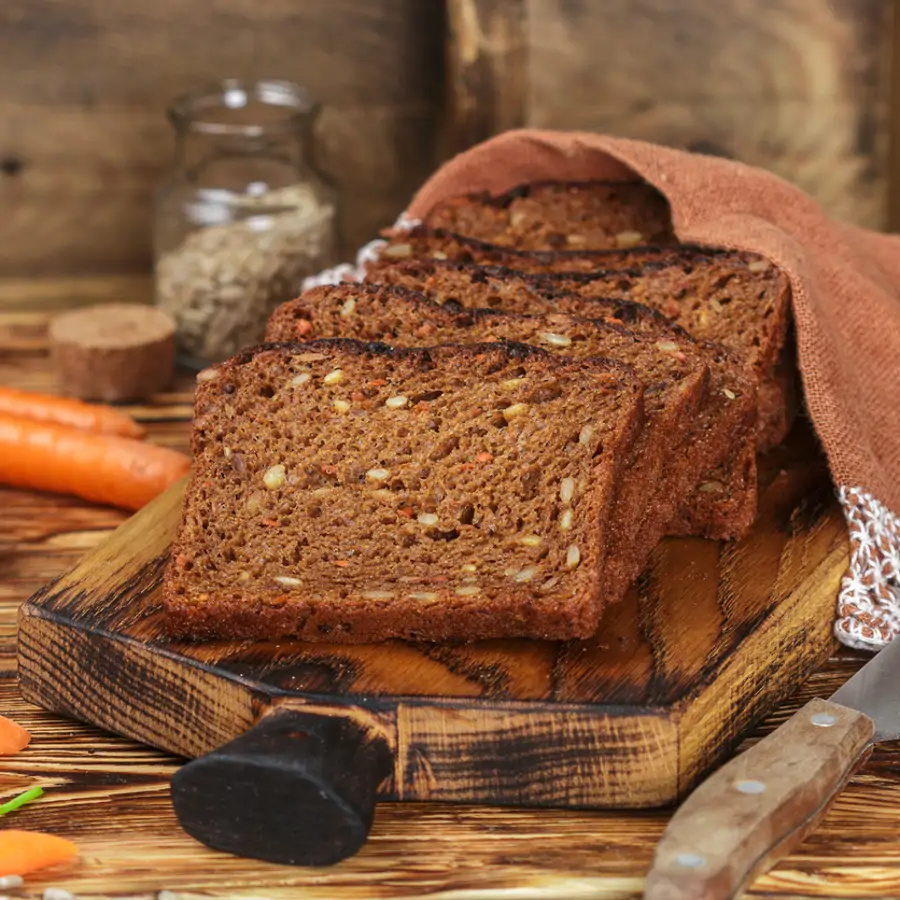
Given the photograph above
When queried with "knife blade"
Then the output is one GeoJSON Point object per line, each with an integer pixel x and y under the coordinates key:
{"type": "Point", "coordinates": [757, 807]}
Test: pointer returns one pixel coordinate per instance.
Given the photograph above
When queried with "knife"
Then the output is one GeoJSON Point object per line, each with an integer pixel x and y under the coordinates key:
{"type": "Point", "coordinates": [758, 806]}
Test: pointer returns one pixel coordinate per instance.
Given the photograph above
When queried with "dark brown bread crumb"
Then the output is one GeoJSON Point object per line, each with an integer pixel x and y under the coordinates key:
{"type": "Point", "coordinates": [347, 491]}
{"type": "Point", "coordinates": [737, 299]}
{"type": "Point", "coordinates": [561, 216]}
{"type": "Point", "coordinates": [724, 501]}
{"type": "Point", "coordinates": [678, 281]}
{"type": "Point", "coordinates": [663, 467]}
{"type": "Point", "coordinates": [726, 427]}
{"type": "Point", "coordinates": [744, 307]}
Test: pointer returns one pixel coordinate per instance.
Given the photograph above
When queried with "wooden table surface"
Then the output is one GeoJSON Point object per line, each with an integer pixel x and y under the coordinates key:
{"type": "Point", "coordinates": [111, 795]}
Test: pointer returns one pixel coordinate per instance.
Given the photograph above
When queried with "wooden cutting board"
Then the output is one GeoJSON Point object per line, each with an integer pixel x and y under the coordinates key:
{"type": "Point", "coordinates": [711, 637]}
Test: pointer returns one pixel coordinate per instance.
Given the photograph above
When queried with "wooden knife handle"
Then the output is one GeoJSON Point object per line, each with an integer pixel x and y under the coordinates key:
{"type": "Point", "coordinates": [298, 788]}
{"type": "Point", "coordinates": [759, 805]}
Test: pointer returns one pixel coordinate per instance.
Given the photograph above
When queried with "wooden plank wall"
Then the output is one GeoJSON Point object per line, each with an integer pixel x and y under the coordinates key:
{"type": "Point", "coordinates": [800, 86]}
{"type": "Point", "coordinates": [84, 85]}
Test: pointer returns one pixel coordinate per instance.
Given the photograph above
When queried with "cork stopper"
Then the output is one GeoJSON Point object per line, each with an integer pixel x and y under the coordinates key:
{"type": "Point", "coordinates": [113, 352]}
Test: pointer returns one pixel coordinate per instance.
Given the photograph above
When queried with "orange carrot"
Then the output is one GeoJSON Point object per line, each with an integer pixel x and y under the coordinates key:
{"type": "Point", "coordinates": [103, 468]}
{"type": "Point", "coordinates": [65, 411]}
{"type": "Point", "coordinates": [13, 737]}
{"type": "Point", "coordinates": [22, 852]}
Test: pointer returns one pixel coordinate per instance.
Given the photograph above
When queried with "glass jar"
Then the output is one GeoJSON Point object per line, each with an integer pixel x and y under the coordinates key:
{"type": "Point", "coordinates": [243, 217]}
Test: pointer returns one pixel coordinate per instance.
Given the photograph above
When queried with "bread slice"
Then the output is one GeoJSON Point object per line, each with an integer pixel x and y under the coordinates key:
{"type": "Point", "coordinates": [737, 299]}
{"type": "Point", "coordinates": [663, 467]}
{"type": "Point", "coordinates": [351, 492]}
{"type": "Point", "coordinates": [729, 429]}
{"type": "Point", "coordinates": [561, 216]}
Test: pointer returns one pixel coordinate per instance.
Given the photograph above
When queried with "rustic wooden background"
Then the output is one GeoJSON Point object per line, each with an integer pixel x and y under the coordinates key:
{"type": "Point", "coordinates": [84, 85]}
{"type": "Point", "coordinates": [803, 87]}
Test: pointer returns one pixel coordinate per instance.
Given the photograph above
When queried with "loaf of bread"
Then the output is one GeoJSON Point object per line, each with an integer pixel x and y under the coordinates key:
{"type": "Point", "coordinates": [561, 216]}
{"type": "Point", "coordinates": [488, 435]}
{"type": "Point", "coordinates": [349, 491]}
{"type": "Point", "coordinates": [666, 460]}
{"type": "Point", "coordinates": [737, 299]}
{"type": "Point", "coordinates": [724, 504]}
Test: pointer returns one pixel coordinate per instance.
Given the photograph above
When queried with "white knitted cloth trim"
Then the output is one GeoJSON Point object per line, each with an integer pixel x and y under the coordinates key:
{"type": "Point", "coordinates": [366, 254]}
{"type": "Point", "coordinates": [869, 602]}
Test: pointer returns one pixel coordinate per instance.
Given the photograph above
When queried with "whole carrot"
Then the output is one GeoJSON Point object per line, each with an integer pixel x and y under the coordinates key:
{"type": "Point", "coordinates": [22, 852]}
{"type": "Point", "coordinates": [65, 411]}
{"type": "Point", "coordinates": [103, 468]}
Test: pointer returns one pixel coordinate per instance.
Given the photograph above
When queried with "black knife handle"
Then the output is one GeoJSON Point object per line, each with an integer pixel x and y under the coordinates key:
{"type": "Point", "coordinates": [297, 788]}
{"type": "Point", "coordinates": [759, 805]}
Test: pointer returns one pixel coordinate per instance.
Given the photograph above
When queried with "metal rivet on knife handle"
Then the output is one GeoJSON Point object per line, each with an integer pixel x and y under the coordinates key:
{"type": "Point", "coordinates": [823, 720]}
{"type": "Point", "coordinates": [690, 860]}
{"type": "Point", "coordinates": [750, 787]}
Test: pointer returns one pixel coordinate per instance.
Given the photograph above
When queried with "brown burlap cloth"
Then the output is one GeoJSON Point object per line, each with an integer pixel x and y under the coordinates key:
{"type": "Point", "coordinates": [846, 301]}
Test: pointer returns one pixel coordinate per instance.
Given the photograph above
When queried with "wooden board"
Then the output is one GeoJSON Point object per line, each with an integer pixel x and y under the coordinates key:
{"type": "Point", "coordinates": [801, 87]}
{"type": "Point", "coordinates": [712, 636]}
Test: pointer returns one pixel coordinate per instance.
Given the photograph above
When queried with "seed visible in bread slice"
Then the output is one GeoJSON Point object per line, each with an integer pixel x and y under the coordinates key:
{"type": "Point", "coordinates": [561, 216]}
{"type": "Point", "coordinates": [737, 299]}
{"type": "Point", "coordinates": [348, 491]}
{"type": "Point", "coordinates": [725, 495]}
{"type": "Point", "coordinates": [718, 298]}
{"type": "Point", "coordinates": [663, 467]}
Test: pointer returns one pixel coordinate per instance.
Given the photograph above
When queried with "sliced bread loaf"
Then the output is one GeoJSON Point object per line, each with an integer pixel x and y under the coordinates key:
{"type": "Point", "coordinates": [737, 299]}
{"type": "Point", "coordinates": [729, 430]}
{"type": "Point", "coordinates": [559, 216]}
{"type": "Point", "coordinates": [348, 491]}
{"type": "Point", "coordinates": [665, 465]}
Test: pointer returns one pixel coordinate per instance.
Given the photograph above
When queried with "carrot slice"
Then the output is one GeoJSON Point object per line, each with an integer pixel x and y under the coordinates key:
{"type": "Point", "coordinates": [22, 852]}
{"type": "Point", "coordinates": [13, 737]}
{"type": "Point", "coordinates": [103, 468]}
{"type": "Point", "coordinates": [65, 411]}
